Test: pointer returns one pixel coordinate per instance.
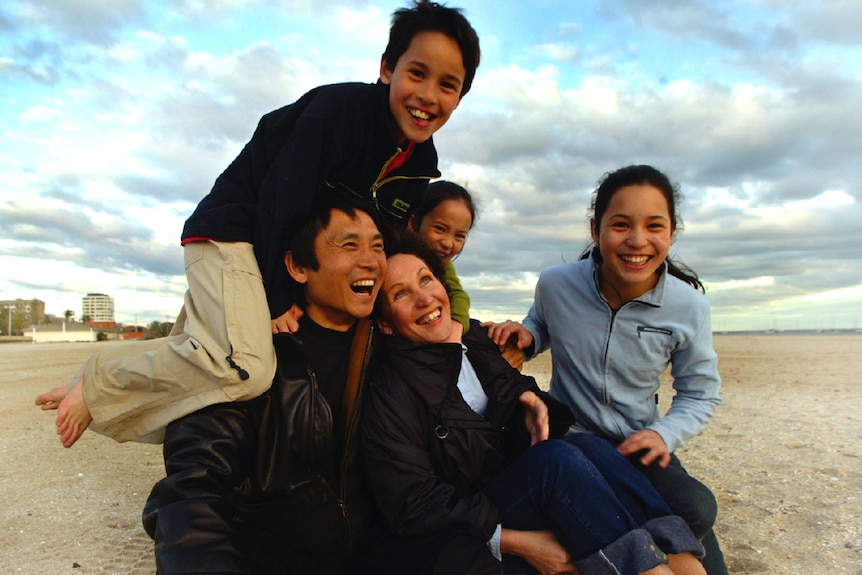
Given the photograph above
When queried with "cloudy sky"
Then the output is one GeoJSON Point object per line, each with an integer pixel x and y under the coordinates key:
{"type": "Point", "coordinates": [116, 117]}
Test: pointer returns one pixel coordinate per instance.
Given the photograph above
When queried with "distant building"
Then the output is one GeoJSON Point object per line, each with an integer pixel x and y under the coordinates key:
{"type": "Point", "coordinates": [74, 331]}
{"type": "Point", "coordinates": [15, 314]}
{"type": "Point", "coordinates": [32, 309]}
{"type": "Point", "coordinates": [98, 307]}
{"type": "Point", "coordinates": [62, 332]}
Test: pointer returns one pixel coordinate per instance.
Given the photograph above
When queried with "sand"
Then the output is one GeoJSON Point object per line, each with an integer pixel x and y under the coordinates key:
{"type": "Point", "coordinates": [783, 455]}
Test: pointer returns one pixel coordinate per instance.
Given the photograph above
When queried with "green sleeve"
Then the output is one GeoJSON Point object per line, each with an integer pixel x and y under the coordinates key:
{"type": "Point", "coordinates": [459, 300]}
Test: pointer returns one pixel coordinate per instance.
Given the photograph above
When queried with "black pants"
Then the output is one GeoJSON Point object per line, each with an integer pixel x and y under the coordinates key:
{"type": "Point", "coordinates": [691, 500]}
{"type": "Point", "coordinates": [433, 554]}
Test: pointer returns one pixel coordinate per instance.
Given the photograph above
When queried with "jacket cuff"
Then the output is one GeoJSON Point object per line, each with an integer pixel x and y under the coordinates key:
{"type": "Point", "coordinates": [668, 434]}
{"type": "Point", "coordinates": [494, 543]}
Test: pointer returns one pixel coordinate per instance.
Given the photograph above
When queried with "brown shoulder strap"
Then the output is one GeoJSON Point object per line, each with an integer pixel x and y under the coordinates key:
{"type": "Point", "coordinates": [354, 371]}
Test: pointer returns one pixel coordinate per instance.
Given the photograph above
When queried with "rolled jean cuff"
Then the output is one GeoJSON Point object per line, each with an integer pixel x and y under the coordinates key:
{"type": "Point", "coordinates": [673, 535]}
{"type": "Point", "coordinates": [632, 553]}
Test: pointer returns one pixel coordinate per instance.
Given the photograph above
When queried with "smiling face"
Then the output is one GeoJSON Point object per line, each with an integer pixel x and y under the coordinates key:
{"type": "Point", "coordinates": [351, 265]}
{"type": "Point", "coordinates": [633, 236]}
{"type": "Point", "coordinates": [425, 86]}
{"type": "Point", "coordinates": [414, 302]}
{"type": "Point", "coordinates": [445, 228]}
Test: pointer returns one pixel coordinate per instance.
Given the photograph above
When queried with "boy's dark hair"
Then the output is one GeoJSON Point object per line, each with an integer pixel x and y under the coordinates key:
{"type": "Point", "coordinates": [430, 16]}
{"type": "Point", "coordinates": [302, 243]}
{"type": "Point", "coordinates": [438, 192]}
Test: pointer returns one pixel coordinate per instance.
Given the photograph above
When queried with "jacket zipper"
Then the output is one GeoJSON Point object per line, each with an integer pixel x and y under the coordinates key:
{"type": "Point", "coordinates": [606, 392]}
{"type": "Point", "coordinates": [380, 180]}
{"type": "Point", "coordinates": [315, 389]}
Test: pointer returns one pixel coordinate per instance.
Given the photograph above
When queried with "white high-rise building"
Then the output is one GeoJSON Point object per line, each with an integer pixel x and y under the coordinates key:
{"type": "Point", "coordinates": [98, 307]}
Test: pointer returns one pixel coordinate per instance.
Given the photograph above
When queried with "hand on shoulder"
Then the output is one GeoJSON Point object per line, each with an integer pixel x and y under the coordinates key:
{"type": "Point", "coordinates": [501, 333]}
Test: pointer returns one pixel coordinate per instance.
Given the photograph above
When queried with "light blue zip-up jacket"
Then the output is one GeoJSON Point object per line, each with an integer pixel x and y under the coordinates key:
{"type": "Point", "coordinates": [607, 366]}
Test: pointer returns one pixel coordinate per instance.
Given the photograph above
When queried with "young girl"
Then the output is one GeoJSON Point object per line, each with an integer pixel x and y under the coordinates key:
{"type": "Point", "coordinates": [614, 321]}
{"type": "Point", "coordinates": [443, 219]}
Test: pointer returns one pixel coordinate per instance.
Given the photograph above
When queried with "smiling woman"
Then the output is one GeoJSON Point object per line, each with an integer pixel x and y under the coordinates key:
{"type": "Point", "coordinates": [415, 303]}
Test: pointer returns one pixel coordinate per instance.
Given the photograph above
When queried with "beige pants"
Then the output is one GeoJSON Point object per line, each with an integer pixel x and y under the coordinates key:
{"type": "Point", "coordinates": [135, 389]}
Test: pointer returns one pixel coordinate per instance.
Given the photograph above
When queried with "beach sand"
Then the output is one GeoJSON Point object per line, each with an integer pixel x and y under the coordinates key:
{"type": "Point", "coordinates": [783, 455]}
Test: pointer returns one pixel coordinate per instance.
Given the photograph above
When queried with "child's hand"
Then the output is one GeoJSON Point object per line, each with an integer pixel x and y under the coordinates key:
{"type": "Point", "coordinates": [501, 332]}
{"type": "Point", "coordinates": [288, 322]}
{"type": "Point", "coordinates": [457, 332]}
{"type": "Point", "coordinates": [649, 441]}
{"type": "Point", "coordinates": [513, 355]}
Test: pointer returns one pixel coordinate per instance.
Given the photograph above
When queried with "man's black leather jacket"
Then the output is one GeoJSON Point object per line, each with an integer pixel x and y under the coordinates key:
{"type": "Point", "coordinates": [253, 487]}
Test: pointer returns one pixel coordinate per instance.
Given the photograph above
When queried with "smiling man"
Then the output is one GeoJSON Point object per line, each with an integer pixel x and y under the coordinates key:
{"type": "Point", "coordinates": [274, 483]}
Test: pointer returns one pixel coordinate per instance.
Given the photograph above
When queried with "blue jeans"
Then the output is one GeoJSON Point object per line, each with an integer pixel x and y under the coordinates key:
{"type": "Point", "coordinates": [691, 500]}
{"type": "Point", "coordinates": [601, 509]}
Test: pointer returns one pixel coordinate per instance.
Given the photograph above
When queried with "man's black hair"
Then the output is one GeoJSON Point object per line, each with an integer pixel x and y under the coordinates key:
{"type": "Point", "coordinates": [302, 242]}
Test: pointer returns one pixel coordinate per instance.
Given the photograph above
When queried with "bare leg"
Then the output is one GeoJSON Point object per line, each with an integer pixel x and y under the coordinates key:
{"type": "Point", "coordinates": [51, 399]}
{"type": "Point", "coordinates": [685, 564]}
{"type": "Point", "coordinates": [73, 416]}
{"type": "Point", "coordinates": [659, 570]}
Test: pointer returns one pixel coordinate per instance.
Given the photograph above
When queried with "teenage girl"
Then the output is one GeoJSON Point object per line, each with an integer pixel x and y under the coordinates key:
{"type": "Point", "coordinates": [614, 320]}
{"type": "Point", "coordinates": [444, 219]}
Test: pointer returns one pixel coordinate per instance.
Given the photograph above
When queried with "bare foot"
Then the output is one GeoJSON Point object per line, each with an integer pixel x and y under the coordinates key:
{"type": "Point", "coordinates": [73, 417]}
{"type": "Point", "coordinates": [51, 399]}
{"type": "Point", "coordinates": [685, 564]}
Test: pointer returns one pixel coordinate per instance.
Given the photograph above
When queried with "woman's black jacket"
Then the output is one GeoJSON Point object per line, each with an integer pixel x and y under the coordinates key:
{"type": "Point", "coordinates": [427, 453]}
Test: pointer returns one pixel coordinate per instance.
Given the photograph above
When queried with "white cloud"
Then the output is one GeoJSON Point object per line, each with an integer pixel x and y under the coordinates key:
{"type": "Point", "coordinates": [827, 199]}
{"type": "Point", "coordinates": [113, 128]}
{"type": "Point", "coordinates": [559, 51]}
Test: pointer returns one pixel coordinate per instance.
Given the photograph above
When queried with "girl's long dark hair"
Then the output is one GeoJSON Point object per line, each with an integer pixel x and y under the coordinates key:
{"type": "Point", "coordinates": [641, 175]}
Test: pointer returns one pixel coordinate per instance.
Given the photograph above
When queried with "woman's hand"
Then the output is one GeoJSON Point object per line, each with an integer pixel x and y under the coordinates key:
{"type": "Point", "coordinates": [538, 548]}
{"type": "Point", "coordinates": [535, 417]}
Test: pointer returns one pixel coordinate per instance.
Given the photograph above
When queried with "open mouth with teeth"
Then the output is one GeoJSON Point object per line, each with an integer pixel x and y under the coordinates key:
{"type": "Point", "coordinates": [635, 260]}
{"type": "Point", "coordinates": [433, 316]}
{"type": "Point", "coordinates": [362, 287]}
{"type": "Point", "coordinates": [420, 115]}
